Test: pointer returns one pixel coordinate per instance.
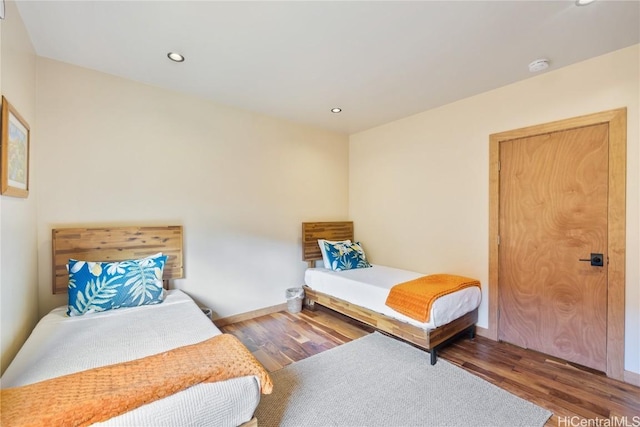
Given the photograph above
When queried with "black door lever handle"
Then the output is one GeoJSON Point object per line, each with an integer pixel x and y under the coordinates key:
{"type": "Point", "coordinates": [596, 260]}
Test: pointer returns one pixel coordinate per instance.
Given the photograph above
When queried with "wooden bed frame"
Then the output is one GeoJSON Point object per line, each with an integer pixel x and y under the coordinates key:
{"type": "Point", "coordinates": [118, 244]}
{"type": "Point", "coordinates": [115, 244]}
{"type": "Point", "coordinates": [429, 340]}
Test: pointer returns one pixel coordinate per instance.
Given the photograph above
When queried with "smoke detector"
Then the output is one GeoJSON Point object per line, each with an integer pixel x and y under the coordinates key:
{"type": "Point", "coordinates": [539, 65]}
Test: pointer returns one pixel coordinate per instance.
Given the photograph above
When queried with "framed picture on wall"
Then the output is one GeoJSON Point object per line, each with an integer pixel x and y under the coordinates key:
{"type": "Point", "coordinates": [14, 167]}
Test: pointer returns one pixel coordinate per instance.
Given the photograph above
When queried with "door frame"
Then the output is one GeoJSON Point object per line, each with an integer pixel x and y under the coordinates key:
{"type": "Point", "coordinates": [616, 218]}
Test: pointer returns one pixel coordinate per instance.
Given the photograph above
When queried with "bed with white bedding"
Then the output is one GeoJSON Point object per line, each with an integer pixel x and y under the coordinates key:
{"type": "Point", "coordinates": [361, 293]}
{"type": "Point", "coordinates": [62, 344]}
{"type": "Point", "coordinates": [369, 287]}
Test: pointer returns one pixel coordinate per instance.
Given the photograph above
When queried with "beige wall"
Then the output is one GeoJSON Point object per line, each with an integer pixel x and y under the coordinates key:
{"type": "Point", "coordinates": [419, 186]}
{"type": "Point", "coordinates": [113, 151]}
{"type": "Point", "coordinates": [18, 255]}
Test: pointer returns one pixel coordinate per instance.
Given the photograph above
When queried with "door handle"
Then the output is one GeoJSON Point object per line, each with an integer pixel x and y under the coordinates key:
{"type": "Point", "coordinates": [596, 260]}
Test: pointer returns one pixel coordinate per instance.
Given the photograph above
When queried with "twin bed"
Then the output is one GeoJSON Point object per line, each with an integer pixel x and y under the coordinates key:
{"type": "Point", "coordinates": [360, 293]}
{"type": "Point", "coordinates": [62, 345]}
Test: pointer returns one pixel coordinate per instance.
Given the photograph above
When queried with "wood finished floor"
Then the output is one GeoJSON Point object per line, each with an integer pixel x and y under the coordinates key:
{"type": "Point", "coordinates": [568, 391]}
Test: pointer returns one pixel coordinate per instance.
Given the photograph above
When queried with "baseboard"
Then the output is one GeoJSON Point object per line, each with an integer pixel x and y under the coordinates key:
{"type": "Point", "coordinates": [632, 378]}
{"type": "Point", "coordinates": [224, 321]}
{"type": "Point", "coordinates": [483, 332]}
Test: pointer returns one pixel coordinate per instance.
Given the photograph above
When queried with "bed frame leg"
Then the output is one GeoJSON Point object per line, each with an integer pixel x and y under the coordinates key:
{"type": "Point", "coordinates": [311, 305]}
{"type": "Point", "coordinates": [471, 330]}
{"type": "Point", "coordinates": [434, 356]}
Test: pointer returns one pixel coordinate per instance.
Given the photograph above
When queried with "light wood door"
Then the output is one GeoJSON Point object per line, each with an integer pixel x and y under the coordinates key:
{"type": "Point", "coordinates": [553, 212]}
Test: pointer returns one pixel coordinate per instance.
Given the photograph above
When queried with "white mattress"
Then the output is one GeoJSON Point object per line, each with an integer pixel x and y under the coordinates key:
{"type": "Point", "coordinates": [62, 345]}
{"type": "Point", "coordinates": [369, 287]}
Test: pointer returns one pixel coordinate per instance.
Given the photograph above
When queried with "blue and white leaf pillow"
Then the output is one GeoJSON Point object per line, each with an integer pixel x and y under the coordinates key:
{"type": "Point", "coordinates": [345, 255]}
{"type": "Point", "coordinates": [101, 286]}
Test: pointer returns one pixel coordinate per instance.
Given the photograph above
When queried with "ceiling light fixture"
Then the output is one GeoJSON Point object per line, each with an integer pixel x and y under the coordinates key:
{"type": "Point", "coordinates": [584, 2]}
{"type": "Point", "coordinates": [539, 65]}
{"type": "Point", "coordinates": [175, 57]}
{"type": "Point", "coordinates": [336, 110]}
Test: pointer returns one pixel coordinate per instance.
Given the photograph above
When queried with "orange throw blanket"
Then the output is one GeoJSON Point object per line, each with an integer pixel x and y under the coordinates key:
{"type": "Point", "coordinates": [98, 394]}
{"type": "Point", "coordinates": [415, 297]}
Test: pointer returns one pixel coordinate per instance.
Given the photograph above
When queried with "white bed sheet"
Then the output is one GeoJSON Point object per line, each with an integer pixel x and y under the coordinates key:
{"type": "Point", "coordinates": [369, 287]}
{"type": "Point", "coordinates": [62, 345]}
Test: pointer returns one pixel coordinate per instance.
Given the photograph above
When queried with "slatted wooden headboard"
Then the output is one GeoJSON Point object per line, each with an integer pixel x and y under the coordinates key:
{"type": "Point", "coordinates": [312, 231]}
{"type": "Point", "coordinates": [115, 244]}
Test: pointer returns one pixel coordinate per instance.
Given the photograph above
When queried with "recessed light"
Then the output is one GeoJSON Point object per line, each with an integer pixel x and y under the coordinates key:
{"type": "Point", "coordinates": [176, 57]}
{"type": "Point", "coordinates": [584, 2]}
{"type": "Point", "coordinates": [336, 110]}
{"type": "Point", "coordinates": [539, 65]}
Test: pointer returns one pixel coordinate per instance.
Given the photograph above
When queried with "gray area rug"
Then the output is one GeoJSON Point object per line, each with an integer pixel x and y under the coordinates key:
{"type": "Point", "coordinates": [380, 381]}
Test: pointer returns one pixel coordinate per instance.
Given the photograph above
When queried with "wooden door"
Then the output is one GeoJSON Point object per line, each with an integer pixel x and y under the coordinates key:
{"type": "Point", "coordinates": [552, 213]}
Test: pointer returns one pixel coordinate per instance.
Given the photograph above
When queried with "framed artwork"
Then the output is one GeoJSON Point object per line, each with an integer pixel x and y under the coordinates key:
{"type": "Point", "coordinates": [14, 168]}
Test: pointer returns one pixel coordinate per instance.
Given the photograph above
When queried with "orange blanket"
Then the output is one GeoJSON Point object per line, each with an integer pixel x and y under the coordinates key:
{"type": "Point", "coordinates": [415, 297]}
{"type": "Point", "coordinates": [98, 394]}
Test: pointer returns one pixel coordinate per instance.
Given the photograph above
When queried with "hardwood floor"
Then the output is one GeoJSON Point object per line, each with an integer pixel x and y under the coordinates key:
{"type": "Point", "coordinates": [281, 338]}
{"type": "Point", "coordinates": [576, 395]}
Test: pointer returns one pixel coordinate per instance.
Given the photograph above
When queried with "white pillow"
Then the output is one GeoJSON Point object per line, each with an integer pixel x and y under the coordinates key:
{"type": "Point", "coordinates": [325, 259]}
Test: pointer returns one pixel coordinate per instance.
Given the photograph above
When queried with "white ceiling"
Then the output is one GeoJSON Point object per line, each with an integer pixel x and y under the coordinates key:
{"type": "Point", "coordinates": [377, 60]}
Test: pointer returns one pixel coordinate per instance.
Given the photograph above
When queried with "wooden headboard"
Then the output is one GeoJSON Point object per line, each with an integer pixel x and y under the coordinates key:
{"type": "Point", "coordinates": [115, 244]}
{"type": "Point", "coordinates": [312, 231]}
